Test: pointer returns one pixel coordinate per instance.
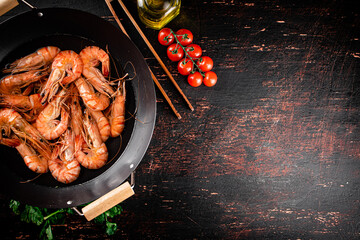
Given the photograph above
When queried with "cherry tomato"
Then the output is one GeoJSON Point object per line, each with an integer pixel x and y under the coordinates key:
{"type": "Point", "coordinates": [175, 52]}
{"type": "Point", "coordinates": [184, 36]}
{"type": "Point", "coordinates": [205, 63]}
{"type": "Point", "coordinates": [195, 79]}
{"type": "Point", "coordinates": [165, 37]}
{"type": "Point", "coordinates": [193, 50]}
{"type": "Point", "coordinates": [185, 66]}
{"type": "Point", "coordinates": [210, 79]}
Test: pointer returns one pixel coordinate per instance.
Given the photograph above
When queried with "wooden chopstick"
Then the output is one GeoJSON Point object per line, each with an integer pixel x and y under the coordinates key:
{"type": "Point", "coordinates": [155, 54]}
{"type": "Point", "coordinates": [108, 3]}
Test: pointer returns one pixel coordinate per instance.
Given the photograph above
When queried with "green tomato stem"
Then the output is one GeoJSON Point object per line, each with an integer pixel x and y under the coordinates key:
{"type": "Point", "coordinates": [187, 55]}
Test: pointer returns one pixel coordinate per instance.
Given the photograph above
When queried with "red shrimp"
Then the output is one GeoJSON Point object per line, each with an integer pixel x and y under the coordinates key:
{"type": "Point", "coordinates": [30, 105]}
{"type": "Point", "coordinates": [13, 83]}
{"type": "Point", "coordinates": [94, 100]}
{"type": "Point", "coordinates": [117, 112]}
{"type": "Point", "coordinates": [91, 56]}
{"type": "Point", "coordinates": [32, 159]}
{"type": "Point", "coordinates": [102, 123]}
{"type": "Point", "coordinates": [76, 122]}
{"type": "Point", "coordinates": [66, 68]}
{"type": "Point", "coordinates": [63, 165]}
{"type": "Point", "coordinates": [33, 61]}
{"type": "Point", "coordinates": [12, 122]}
{"type": "Point", "coordinates": [76, 116]}
{"type": "Point", "coordinates": [95, 155]}
{"type": "Point", "coordinates": [47, 123]}
{"type": "Point", "coordinates": [10, 142]}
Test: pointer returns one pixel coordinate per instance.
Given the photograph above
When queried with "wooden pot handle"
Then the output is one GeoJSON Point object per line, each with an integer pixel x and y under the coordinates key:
{"type": "Point", "coordinates": [107, 201]}
{"type": "Point", "coordinates": [7, 5]}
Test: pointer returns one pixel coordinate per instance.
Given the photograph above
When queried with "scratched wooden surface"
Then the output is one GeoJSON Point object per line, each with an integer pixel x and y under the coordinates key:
{"type": "Point", "coordinates": [272, 151]}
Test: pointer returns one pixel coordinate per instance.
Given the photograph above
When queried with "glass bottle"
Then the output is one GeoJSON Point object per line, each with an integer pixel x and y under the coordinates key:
{"type": "Point", "coordinates": [157, 13]}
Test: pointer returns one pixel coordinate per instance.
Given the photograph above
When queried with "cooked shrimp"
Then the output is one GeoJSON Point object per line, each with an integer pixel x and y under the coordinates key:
{"type": "Point", "coordinates": [97, 80]}
{"type": "Point", "coordinates": [94, 100]}
{"type": "Point", "coordinates": [66, 68]}
{"type": "Point", "coordinates": [21, 103]}
{"type": "Point", "coordinates": [32, 159]}
{"type": "Point", "coordinates": [47, 122]}
{"type": "Point", "coordinates": [117, 112]}
{"type": "Point", "coordinates": [76, 122]}
{"type": "Point", "coordinates": [33, 61]}
{"type": "Point", "coordinates": [63, 165]}
{"type": "Point", "coordinates": [11, 121]}
{"type": "Point", "coordinates": [95, 155]}
{"type": "Point", "coordinates": [10, 142]}
{"type": "Point", "coordinates": [14, 82]}
{"type": "Point", "coordinates": [102, 123]}
{"type": "Point", "coordinates": [76, 116]}
{"type": "Point", "coordinates": [30, 106]}
{"type": "Point", "coordinates": [91, 56]}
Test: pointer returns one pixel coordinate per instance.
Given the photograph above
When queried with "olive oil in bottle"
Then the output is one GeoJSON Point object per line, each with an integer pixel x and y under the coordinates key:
{"type": "Point", "coordinates": [157, 13]}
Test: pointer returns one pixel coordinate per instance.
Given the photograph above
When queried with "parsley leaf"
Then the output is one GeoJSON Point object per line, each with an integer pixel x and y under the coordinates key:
{"type": "Point", "coordinates": [112, 212]}
{"type": "Point", "coordinates": [32, 215]}
{"type": "Point", "coordinates": [100, 219]}
{"type": "Point", "coordinates": [46, 232]}
{"type": "Point", "coordinates": [110, 228]}
{"type": "Point", "coordinates": [14, 205]}
{"type": "Point", "coordinates": [46, 217]}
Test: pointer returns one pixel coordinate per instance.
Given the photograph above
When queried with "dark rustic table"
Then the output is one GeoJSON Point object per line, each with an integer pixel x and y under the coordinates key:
{"type": "Point", "coordinates": [272, 151]}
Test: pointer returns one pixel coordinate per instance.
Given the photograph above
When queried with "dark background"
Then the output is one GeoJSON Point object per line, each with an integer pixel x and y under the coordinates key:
{"type": "Point", "coordinates": [270, 152]}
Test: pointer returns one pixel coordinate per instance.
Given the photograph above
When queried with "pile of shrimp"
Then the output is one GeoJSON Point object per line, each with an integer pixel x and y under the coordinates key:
{"type": "Point", "coordinates": [57, 108]}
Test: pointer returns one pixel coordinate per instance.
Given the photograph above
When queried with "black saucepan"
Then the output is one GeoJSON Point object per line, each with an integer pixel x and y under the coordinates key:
{"type": "Point", "coordinates": [74, 29]}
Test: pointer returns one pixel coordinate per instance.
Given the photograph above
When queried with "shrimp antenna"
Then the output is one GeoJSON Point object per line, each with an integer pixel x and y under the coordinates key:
{"type": "Point", "coordinates": [112, 60]}
{"type": "Point", "coordinates": [30, 180]}
{"type": "Point", "coordinates": [133, 67]}
{"type": "Point", "coordinates": [132, 115]}
{"type": "Point", "coordinates": [118, 151]}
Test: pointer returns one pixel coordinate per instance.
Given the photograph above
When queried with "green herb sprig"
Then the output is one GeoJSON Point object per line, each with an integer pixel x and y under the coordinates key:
{"type": "Point", "coordinates": [46, 218]}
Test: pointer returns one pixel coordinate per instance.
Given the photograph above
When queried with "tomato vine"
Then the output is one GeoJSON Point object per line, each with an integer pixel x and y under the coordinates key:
{"type": "Point", "coordinates": [200, 68]}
